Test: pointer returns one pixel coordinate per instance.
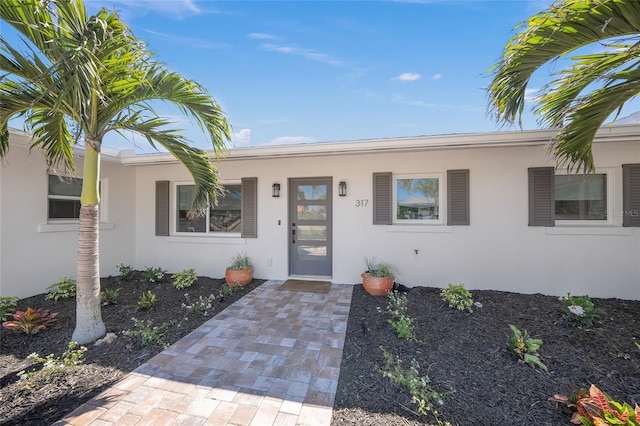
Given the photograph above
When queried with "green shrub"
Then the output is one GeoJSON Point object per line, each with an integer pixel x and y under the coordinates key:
{"type": "Point", "coordinates": [399, 319]}
{"type": "Point", "coordinates": [147, 301]}
{"type": "Point", "coordinates": [8, 306]}
{"type": "Point", "coordinates": [458, 297]}
{"type": "Point", "coordinates": [148, 334]}
{"type": "Point", "coordinates": [201, 305]}
{"type": "Point", "coordinates": [525, 347]}
{"type": "Point", "coordinates": [580, 309]}
{"type": "Point", "coordinates": [154, 275]}
{"type": "Point", "coordinates": [184, 278]}
{"type": "Point", "coordinates": [73, 356]}
{"type": "Point", "coordinates": [126, 272]}
{"type": "Point", "coordinates": [109, 296]}
{"type": "Point", "coordinates": [63, 289]}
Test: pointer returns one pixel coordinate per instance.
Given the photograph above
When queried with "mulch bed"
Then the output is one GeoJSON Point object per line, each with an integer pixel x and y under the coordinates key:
{"type": "Point", "coordinates": [460, 352]}
{"type": "Point", "coordinates": [466, 353]}
{"type": "Point", "coordinates": [104, 365]}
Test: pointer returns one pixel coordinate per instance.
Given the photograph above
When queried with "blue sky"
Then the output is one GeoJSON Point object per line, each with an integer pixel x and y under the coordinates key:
{"type": "Point", "coordinates": [316, 71]}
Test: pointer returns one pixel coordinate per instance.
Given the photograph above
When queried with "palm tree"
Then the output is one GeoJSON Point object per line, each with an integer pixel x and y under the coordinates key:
{"type": "Point", "coordinates": [591, 88]}
{"type": "Point", "coordinates": [80, 78]}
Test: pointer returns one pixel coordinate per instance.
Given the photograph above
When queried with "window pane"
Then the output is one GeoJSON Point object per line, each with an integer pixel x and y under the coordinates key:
{"type": "Point", "coordinates": [417, 199]}
{"type": "Point", "coordinates": [581, 197]}
{"type": "Point", "coordinates": [227, 215]}
{"type": "Point", "coordinates": [312, 233]}
{"type": "Point", "coordinates": [309, 252]}
{"type": "Point", "coordinates": [312, 212]}
{"type": "Point", "coordinates": [312, 192]}
{"type": "Point", "coordinates": [71, 187]}
{"type": "Point", "coordinates": [187, 222]}
{"type": "Point", "coordinates": [64, 209]}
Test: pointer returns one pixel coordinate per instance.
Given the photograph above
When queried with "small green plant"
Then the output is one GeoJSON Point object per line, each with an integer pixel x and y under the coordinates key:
{"type": "Point", "coordinates": [109, 296]}
{"type": "Point", "coordinates": [457, 297]}
{"type": "Point", "coordinates": [378, 269]}
{"type": "Point", "coordinates": [125, 272]}
{"type": "Point", "coordinates": [8, 306]}
{"type": "Point", "coordinates": [399, 319]}
{"type": "Point", "coordinates": [239, 261]}
{"type": "Point", "coordinates": [148, 334]}
{"type": "Point", "coordinates": [580, 309]}
{"type": "Point", "coordinates": [228, 290]}
{"type": "Point", "coordinates": [31, 321]}
{"type": "Point", "coordinates": [202, 305]}
{"type": "Point", "coordinates": [64, 288]}
{"type": "Point", "coordinates": [597, 408]}
{"type": "Point", "coordinates": [637, 345]}
{"type": "Point", "coordinates": [184, 278]}
{"type": "Point", "coordinates": [73, 356]}
{"type": "Point", "coordinates": [147, 301]}
{"type": "Point", "coordinates": [154, 275]}
{"type": "Point", "coordinates": [422, 394]}
{"type": "Point", "coordinates": [525, 347]}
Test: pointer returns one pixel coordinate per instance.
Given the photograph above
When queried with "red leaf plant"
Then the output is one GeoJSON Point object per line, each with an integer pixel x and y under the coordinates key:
{"type": "Point", "coordinates": [31, 321]}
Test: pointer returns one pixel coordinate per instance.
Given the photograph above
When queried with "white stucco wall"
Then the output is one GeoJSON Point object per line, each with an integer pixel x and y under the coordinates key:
{"type": "Point", "coordinates": [497, 251]}
{"type": "Point", "coordinates": [33, 253]}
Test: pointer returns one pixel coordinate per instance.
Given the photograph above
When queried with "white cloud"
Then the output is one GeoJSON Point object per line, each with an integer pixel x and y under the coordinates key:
{"type": "Point", "coordinates": [243, 137]}
{"type": "Point", "coordinates": [310, 54]}
{"type": "Point", "coordinates": [197, 43]}
{"type": "Point", "coordinates": [291, 140]}
{"type": "Point", "coordinates": [420, 103]}
{"type": "Point", "coordinates": [261, 36]}
{"type": "Point", "coordinates": [408, 76]}
{"type": "Point", "coordinates": [436, 76]}
{"type": "Point", "coordinates": [175, 8]}
{"type": "Point", "coordinates": [531, 95]}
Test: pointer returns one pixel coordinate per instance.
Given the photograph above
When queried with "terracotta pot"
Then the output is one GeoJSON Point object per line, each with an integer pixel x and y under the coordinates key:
{"type": "Point", "coordinates": [377, 286]}
{"type": "Point", "coordinates": [238, 277]}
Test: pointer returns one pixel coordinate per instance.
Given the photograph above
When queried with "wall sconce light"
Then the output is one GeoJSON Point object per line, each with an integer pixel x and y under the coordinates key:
{"type": "Point", "coordinates": [342, 189]}
{"type": "Point", "coordinates": [275, 190]}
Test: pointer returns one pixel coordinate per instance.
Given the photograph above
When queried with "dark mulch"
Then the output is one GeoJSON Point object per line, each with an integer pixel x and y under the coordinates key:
{"type": "Point", "coordinates": [61, 393]}
{"type": "Point", "coordinates": [466, 353]}
{"type": "Point", "coordinates": [460, 352]}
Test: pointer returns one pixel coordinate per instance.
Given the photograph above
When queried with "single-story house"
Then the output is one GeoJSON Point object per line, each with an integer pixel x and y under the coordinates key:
{"type": "Point", "coordinates": [489, 210]}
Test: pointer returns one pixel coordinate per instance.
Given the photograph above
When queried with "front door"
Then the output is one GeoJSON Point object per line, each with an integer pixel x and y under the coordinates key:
{"type": "Point", "coordinates": [310, 226]}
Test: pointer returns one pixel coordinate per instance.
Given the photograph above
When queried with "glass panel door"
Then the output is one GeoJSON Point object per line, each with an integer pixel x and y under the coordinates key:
{"type": "Point", "coordinates": [310, 226]}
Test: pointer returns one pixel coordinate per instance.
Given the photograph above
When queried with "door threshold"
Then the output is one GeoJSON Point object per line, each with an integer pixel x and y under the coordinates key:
{"type": "Point", "coordinates": [311, 277]}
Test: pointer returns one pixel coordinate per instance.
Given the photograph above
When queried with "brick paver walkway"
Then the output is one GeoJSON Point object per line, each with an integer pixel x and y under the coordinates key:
{"type": "Point", "coordinates": [271, 358]}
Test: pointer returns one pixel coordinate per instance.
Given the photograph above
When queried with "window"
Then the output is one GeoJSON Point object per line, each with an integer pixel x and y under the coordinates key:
{"type": "Point", "coordinates": [572, 199]}
{"type": "Point", "coordinates": [417, 199]}
{"type": "Point", "coordinates": [64, 197]}
{"type": "Point", "coordinates": [581, 197]}
{"type": "Point", "coordinates": [226, 217]}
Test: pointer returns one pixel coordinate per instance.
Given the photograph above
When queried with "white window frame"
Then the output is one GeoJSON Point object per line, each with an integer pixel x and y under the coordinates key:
{"type": "Point", "coordinates": [102, 206]}
{"type": "Point", "coordinates": [173, 216]}
{"type": "Point", "coordinates": [441, 199]}
{"type": "Point", "coordinates": [609, 172]}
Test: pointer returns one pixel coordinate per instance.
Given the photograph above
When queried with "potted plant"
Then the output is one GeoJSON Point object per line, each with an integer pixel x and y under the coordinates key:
{"type": "Point", "coordinates": [377, 280]}
{"type": "Point", "coordinates": [240, 271]}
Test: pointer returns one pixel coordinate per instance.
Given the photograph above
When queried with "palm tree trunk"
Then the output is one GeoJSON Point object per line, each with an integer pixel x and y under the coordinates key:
{"type": "Point", "coordinates": [89, 325]}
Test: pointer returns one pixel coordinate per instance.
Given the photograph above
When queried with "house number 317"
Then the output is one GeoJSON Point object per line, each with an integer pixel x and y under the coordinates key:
{"type": "Point", "coordinates": [362, 203]}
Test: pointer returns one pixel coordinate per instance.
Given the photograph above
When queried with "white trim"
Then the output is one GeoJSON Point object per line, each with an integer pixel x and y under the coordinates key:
{"type": "Point", "coordinates": [67, 226]}
{"type": "Point", "coordinates": [420, 229]}
{"type": "Point", "coordinates": [200, 238]}
{"type": "Point", "coordinates": [590, 230]}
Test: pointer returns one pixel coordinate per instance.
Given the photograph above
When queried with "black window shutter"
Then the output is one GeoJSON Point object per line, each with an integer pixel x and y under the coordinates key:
{"type": "Point", "coordinates": [162, 208]}
{"type": "Point", "coordinates": [458, 197]}
{"type": "Point", "coordinates": [542, 203]}
{"type": "Point", "coordinates": [249, 207]}
{"type": "Point", "coordinates": [382, 199]}
{"type": "Point", "coordinates": [631, 195]}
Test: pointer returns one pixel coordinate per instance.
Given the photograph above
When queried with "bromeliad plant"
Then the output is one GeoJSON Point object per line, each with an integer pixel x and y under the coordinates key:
{"type": "Point", "coordinates": [109, 296]}
{"type": "Point", "coordinates": [595, 408]}
{"type": "Point", "coordinates": [525, 347]}
{"type": "Point", "coordinates": [32, 321]}
{"type": "Point", "coordinates": [147, 301]}
{"type": "Point", "coordinates": [580, 309]}
{"type": "Point", "coordinates": [457, 297]}
{"type": "Point", "coordinates": [64, 288]}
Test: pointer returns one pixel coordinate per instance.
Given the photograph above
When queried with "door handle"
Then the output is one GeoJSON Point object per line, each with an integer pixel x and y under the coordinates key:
{"type": "Point", "coordinates": [293, 236]}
